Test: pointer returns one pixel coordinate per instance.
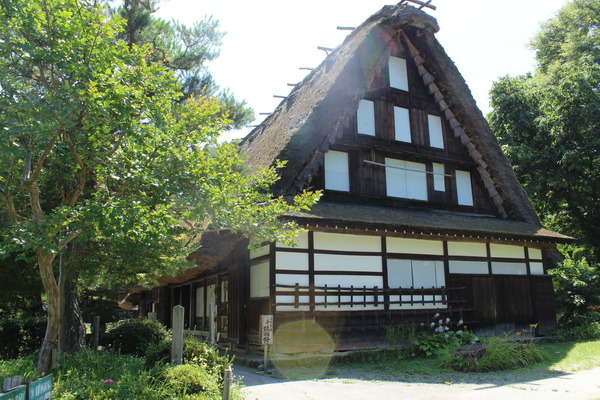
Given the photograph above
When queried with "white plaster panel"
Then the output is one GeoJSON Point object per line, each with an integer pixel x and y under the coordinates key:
{"type": "Point", "coordinates": [507, 251]}
{"type": "Point", "coordinates": [414, 246]}
{"type": "Point", "coordinates": [259, 280]}
{"type": "Point", "coordinates": [347, 263]}
{"type": "Point", "coordinates": [259, 252]}
{"type": "Point", "coordinates": [291, 300]}
{"type": "Point", "coordinates": [293, 261]}
{"type": "Point", "coordinates": [301, 241]}
{"type": "Point", "coordinates": [467, 249]}
{"type": "Point", "coordinates": [343, 242]}
{"type": "Point", "coordinates": [292, 279]}
{"type": "Point", "coordinates": [535, 254]}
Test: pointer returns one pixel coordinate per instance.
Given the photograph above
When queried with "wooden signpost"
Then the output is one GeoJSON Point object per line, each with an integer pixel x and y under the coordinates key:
{"type": "Point", "coordinates": [266, 337]}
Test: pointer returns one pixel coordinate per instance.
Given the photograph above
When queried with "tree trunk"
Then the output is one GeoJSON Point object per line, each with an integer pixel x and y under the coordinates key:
{"type": "Point", "coordinates": [74, 326]}
{"type": "Point", "coordinates": [48, 350]}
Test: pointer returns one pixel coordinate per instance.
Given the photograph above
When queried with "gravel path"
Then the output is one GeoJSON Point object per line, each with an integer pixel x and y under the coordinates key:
{"type": "Point", "coordinates": [582, 385]}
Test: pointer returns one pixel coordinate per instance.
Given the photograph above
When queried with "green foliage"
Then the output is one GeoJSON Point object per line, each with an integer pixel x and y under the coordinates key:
{"type": "Point", "coordinates": [499, 354]}
{"type": "Point", "coordinates": [441, 334]}
{"type": "Point", "coordinates": [397, 334]}
{"type": "Point", "coordinates": [96, 375]}
{"type": "Point", "coordinates": [136, 335]}
{"type": "Point", "coordinates": [206, 356]}
{"type": "Point", "coordinates": [20, 336]}
{"type": "Point", "coordinates": [375, 356]}
{"type": "Point", "coordinates": [585, 331]}
{"type": "Point", "coordinates": [24, 366]}
{"type": "Point", "coordinates": [99, 152]}
{"type": "Point", "coordinates": [576, 284]}
{"type": "Point", "coordinates": [190, 381]}
{"type": "Point", "coordinates": [194, 352]}
{"type": "Point", "coordinates": [430, 345]}
{"type": "Point", "coordinates": [547, 123]}
{"type": "Point", "coordinates": [183, 49]}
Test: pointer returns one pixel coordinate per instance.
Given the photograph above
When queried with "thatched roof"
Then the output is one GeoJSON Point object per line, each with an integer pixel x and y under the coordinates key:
{"type": "Point", "coordinates": [302, 127]}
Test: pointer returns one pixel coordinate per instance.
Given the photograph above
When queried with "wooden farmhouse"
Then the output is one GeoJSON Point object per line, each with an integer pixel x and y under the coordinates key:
{"type": "Point", "coordinates": [421, 212]}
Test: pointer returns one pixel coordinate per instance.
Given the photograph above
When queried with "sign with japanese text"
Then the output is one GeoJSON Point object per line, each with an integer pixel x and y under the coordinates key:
{"type": "Point", "coordinates": [266, 329]}
{"type": "Point", "coordinates": [41, 389]}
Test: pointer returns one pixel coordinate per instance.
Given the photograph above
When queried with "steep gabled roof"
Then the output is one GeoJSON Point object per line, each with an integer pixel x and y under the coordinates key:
{"type": "Point", "coordinates": [314, 114]}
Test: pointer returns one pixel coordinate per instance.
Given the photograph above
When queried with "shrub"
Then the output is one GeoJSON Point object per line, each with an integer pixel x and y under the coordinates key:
{"type": "Point", "coordinates": [194, 352]}
{"type": "Point", "coordinates": [136, 335]}
{"type": "Point", "coordinates": [93, 375]}
{"type": "Point", "coordinates": [426, 344]}
{"type": "Point", "coordinates": [24, 366]}
{"type": "Point", "coordinates": [20, 336]}
{"type": "Point", "coordinates": [441, 334]}
{"type": "Point", "coordinates": [586, 331]}
{"type": "Point", "coordinates": [206, 356]}
{"type": "Point", "coordinates": [499, 354]}
{"type": "Point", "coordinates": [190, 380]}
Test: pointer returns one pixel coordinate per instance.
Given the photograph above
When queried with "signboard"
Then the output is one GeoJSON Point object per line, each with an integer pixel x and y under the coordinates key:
{"type": "Point", "coordinates": [18, 393]}
{"type": "Point", "coordinates": [41, 389]}
{"type": "Point", "coordinates": [266, 329]}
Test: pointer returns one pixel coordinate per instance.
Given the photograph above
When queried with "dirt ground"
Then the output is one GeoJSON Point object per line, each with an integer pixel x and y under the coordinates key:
{"type": "Point", "coordinates": [581, 385]}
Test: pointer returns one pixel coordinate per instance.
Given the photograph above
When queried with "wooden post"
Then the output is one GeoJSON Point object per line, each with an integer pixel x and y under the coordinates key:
{"type": "Point", "coordinates": [95, 332]}
{"type": "Point", "coordinates": [227, 379]}
{"type": "Point", "coordinates": [266, 337]}
{"type": "Point", "coordinates": [177, 348]}
{"type": "Point", "coordinates": [211, 323]}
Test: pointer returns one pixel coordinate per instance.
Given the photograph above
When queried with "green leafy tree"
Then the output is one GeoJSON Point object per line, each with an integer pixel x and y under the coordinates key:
{"type": "Point", "coordinates": [97, 149]}
{"type": "Point", "coordinates": [184, 50]}
{"type": "Point", "coordinates": [548, 122]}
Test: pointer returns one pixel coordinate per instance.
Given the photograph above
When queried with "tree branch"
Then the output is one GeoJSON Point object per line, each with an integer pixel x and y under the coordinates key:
{"type": "Point", "coordinates": [40, 162]}
{"type": "Point", "coordinates": [72, 236]}
{"type": "Point", "coordinates": [82, 173]}
{"type": "Point", "coordinates": [111, 152]}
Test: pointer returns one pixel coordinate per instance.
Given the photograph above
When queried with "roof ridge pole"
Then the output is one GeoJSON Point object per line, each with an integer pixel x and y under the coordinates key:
{"type": "Point", "coordinates": [459, 132]}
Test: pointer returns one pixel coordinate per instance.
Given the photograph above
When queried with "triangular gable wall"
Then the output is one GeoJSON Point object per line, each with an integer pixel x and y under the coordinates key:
{"type": "Point", "coordinates": [317, 111]}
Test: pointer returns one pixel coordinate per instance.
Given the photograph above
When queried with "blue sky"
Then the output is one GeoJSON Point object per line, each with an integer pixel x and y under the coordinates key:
{"type": "Point", "coordinates": [267, 41]}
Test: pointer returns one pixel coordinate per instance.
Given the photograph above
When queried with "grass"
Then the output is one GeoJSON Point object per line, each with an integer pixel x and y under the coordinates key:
{"type": "Point", "coordinates": [562, 357]}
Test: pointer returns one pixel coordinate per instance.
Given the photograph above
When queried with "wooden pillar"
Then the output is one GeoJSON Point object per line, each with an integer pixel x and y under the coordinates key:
{"type": "Point", "coordinates": [177, 348]}
{"type": "Point", "coordinates": [96, 332]}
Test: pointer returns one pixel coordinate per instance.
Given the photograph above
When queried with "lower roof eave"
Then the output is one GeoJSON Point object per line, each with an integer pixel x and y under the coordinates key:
{"type": "Point", "coordinates": [434, 224]}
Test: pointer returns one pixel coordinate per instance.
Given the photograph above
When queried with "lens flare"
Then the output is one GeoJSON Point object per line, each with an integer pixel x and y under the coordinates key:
{"type": "Point", "coordinates": [302, 350]}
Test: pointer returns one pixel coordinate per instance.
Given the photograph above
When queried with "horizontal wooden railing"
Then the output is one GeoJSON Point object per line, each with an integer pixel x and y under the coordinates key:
{"type": "Point", "coordinates": [337, 296]}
